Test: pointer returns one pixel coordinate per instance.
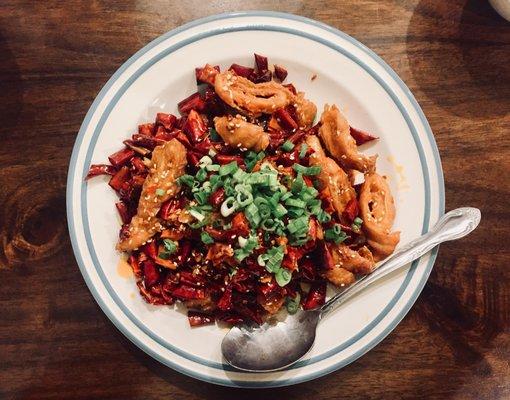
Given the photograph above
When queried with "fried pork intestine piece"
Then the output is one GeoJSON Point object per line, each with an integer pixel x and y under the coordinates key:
{"type": "Point", "coordinates": [250, 98]}
{"type": "Point", "coordinates": [331, 176]}
{"type": "Point", "coordinates": [167, 164]}
{"type": "Point", "coordinates": [347, 263]}
{"type": "Point", "coordinates": [305, 111]}
{"type": "Point", "coordinates": [237, 132]}
{"type": "Point", "coordinates": [335, 134]}
{"type": "Point", "coordinates": [377, 210]}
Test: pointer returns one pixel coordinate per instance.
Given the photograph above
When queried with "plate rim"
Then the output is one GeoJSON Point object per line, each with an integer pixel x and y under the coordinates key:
{"type": "Point", "coordinates": [77, 148]}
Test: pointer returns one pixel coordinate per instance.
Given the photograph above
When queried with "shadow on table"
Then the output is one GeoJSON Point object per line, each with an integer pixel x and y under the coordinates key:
{"type": "Point", "coordinates": [461, 46]}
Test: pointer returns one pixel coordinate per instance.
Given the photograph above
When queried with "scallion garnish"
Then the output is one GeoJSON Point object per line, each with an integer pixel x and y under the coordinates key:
{"type": "Point", "coordinates": [214, 135]}
{"type": "Point", "coordinates": [303, 150]}
{"type": "Point", "coordinates": [253, 215]}
{"type": "Point", "coordinates": [228, 169]}
{"type": "Point", "coordinates": [186, 180]}
{"type": "Point", "coordinates": [201, 175]}
{"type": "Point", "coordinates": [293, 303]}
{"type": "Point", "coordinates": [283, 276]}
{"type": "Point", "coordinates": [170, 245]}
{"type": "Point", "coordinates": [206, 238]}
{"type": "Point", "coordinates": [314, 170]}
{"type": "Point", "coordinates": [228, 206]}
{"type": "Point", "coordinates": [287, 146]}
{"type": "Point", "coordinates": [335, 234]}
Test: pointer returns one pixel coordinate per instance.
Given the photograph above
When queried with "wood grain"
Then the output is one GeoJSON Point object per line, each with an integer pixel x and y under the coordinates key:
{"type": "Point", "coordinates": [55, 343]}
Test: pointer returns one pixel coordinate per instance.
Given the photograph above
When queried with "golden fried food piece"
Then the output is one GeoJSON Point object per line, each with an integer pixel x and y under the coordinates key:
{"type": "Point", "coordinates": [167, 164]}
{"type": "Point", "coordinates": [377, 209]}
{"type": "Point", "coordinates": [305, 111]}
{"type": "Point", "coordinates": [335, 134]}
{"type": "Point", "coordinates": [347, 263]}
{"type": "Point", "coordinates": [331, 176]}
{"type": "Point", "coordinates": [250, 98]}
{"type": "Point", "coordinates": [237, 132]}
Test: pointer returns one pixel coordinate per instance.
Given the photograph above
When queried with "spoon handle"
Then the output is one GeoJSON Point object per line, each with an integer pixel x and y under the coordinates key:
{"type": "Point", "coordinates": [453, 225]}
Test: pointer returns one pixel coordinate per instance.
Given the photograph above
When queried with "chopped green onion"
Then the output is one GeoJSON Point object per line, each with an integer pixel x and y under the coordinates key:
{"type": "Point", "coordinates": [205, 160]}
{"type": "Point", "coordinates": [256, 178]}
{"type": "Point", "coordinates": [287, 146]}
{"type": "Point", "coordinates": [298, 184]}
{"type": "Point", "coordinates": [298, 225]}
{"type": "Point", "coordinates": [170, 245]}
{"type": "Point", "coordinates": [206, 238]}
{"type": "Point", "coordinates": [228, 206]}
{"type": "Point", "coordinates": [283, 276]}
{"type": "Point", "coordinates": [201, 175]}
{"type": "Point", "coordinates": [309, 192]}
{"type": "Point", "coordinates": [212, 152]}
{"type": "Point", "coordinates": [244, 197]}
{"type": "Point", "coordinates": [264, 211]}
{"type": "Point", "coordinates": [303, 150]}
{"type": "Point", "coordinates": [250, 160]}
{"type": "Point", "coordinates": [259, 200]}
{"type": "Point", "coordinates": [295, 212]}
{"type": "Point", "coordinates": [358, 221]}
{"type": "Point", "coordinates": [165, 255]}
{"type": "Point", "coordinates": [228, 169]}
{"type": "Point", "coordinates": [214, 135]}
{"type": "Point", "coordinates": [286, 196]}
{"type": "Point", "coordinates": [229, 187]}
{"type": "Point", "coordinates": [272, 259]}
{"type": "Point", "coordinates": [239, 175]}
{"type": "Point", "coordinates": [215, 182]}
{"type": "Point", "coordinates": [274, 199]}
{"type": "Point", "coordinates": [314, 170]}
{"type": "Point", "coordinates": [292, 304]}
{"type": "Point", "coordinates": [269, 224]}
{"type": "Point", "coordinates": [197, 215]}
{"type": "Point", "coordinates": [201, 197]}
{"type": "Point", "coordinates": [335, 234]}
{"type": "Point", "coordinates": [279, 211]}
{"type": "Point", "coordinates": [160, 192]}
{"type": "Point", "coordinates": [186, 180]}
{"type": "Point", "coordinates": [196, 186]}
{"type": "Point", "coordinates": [295, 203]}
{"type": "Point", "coordinates": [253, 215]}
{"type": "Point", "coordinates": [323, 217]}
{"type": "Point", "coordinates": [213, 167]}
{"type": "Point", "coordinates": [246, 250]}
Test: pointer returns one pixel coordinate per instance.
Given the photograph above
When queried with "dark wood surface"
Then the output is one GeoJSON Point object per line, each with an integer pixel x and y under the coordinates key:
{"type": "Point", "coordinates": [55, 343]}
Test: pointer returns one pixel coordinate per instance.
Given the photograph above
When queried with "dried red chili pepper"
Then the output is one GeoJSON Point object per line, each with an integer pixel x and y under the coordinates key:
{"type": "Point", "coordinates": [100, 169]}
{"type": "Point", "coordinates": [361, 137]}
{"type": "Point", "coordinates": [196, 318]}
{"type": "Point", "coordinates": [121, 157]}
{"type": "Point", "coordinates": [316, 296]}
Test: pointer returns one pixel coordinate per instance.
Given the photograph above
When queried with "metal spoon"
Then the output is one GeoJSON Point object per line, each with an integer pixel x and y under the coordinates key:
{"type": "Point", "coordinates": [271, 347]}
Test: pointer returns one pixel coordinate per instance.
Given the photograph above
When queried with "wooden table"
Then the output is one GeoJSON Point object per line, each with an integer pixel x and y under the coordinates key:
{"type": "Point", "coordinates": [54, 340]}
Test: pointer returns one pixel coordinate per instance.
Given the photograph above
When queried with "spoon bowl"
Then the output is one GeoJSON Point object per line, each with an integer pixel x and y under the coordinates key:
{"type": "Point", "coordinates": [251, 348]}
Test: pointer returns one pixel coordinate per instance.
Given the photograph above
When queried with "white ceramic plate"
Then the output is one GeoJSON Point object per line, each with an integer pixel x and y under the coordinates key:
{"type": "Point", "coordinates": [348, 74]}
